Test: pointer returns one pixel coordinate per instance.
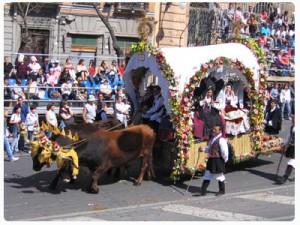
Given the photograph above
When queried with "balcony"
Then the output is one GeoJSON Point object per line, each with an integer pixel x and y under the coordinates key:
{"type": "Point", "coordinates": [135, 9]}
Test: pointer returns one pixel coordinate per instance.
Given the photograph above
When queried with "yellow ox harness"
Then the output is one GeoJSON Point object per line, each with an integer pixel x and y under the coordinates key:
{"type": "Point", "coordinates": [49, 156]}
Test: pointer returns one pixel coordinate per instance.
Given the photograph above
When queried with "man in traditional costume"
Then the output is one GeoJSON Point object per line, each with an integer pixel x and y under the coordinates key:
{"type": "Point", "coordinates": [217, 150]}
{"type": "Point", "coordinates": [289, 147]}
{"type": "Point", "coordinates": [157, 112]}
{"type": "Point", "coordinates": [273, 119]}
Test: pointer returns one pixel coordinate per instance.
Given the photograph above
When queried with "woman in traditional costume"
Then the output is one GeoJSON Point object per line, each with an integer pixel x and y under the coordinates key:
{"type": "Point", "coordinates": [236, 119]}
{"type": "Point", "coordinates": [207, 116]}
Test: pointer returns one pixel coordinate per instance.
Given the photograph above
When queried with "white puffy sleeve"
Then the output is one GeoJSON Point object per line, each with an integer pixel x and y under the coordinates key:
{"type": "Point", "coordinates": [224, 149]}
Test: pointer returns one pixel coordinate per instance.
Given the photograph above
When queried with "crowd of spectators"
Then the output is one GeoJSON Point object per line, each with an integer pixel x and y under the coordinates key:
{"type": "Point", "coordinates": [98, 87]}
{"type": "Point", "coordinates": [50, 80]}
{"type": "Point", "coordinates": [274, 31]}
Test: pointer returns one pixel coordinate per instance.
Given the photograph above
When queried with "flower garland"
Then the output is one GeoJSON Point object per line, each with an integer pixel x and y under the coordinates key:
{"type": "Point", "coordinates": [176, 114]}
{"type": "Point", "coordinates": [258, 111]}
{"type": "Point", "coordinates": [181, 116]}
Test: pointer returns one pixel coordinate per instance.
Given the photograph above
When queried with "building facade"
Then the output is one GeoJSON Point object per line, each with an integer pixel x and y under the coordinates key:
{"type": "Point", "coordinates": [74, 29]}
{"type": "Point", "coordinates": [71, 29]}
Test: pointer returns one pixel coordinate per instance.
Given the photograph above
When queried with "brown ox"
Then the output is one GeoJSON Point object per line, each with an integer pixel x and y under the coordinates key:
{"type": "Point", "coordinates": [112, 149]}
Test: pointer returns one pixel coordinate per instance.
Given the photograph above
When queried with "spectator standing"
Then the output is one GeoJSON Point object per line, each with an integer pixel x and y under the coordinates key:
{"type": "Point", "coordinates": [265, 30]}
{"type": "Point", "coordinates": [238, 15]}
{"type": "Point", "coordinates": [22, 68]}
{"type": "Point", "coordinates": [285, 19]}
{"type": "Point", "coordinates": [24, 108]}
{"type": "Point", "coordinates": [89, 110]}
{"type": "Point", "coordinates": [66, 115]}
{"type": "Point", "coordinates": [228, 17]}
{"type": "Point", "coordinates": [7, 146]}
{"type": "Point", "coordinates": [92, 68]}
{"type": "Point", "coordinates": [101, 108]}
{"type": "Point", "coordinates": [122, 110]}
{"type": "Point", "coordinates": [51, 118]}
{"type": "Point", "coordinates": [32, 120]}
{"type": "Point", "coordinates": [285, 99]}
{"type": "Point", "coordinates": [252, 23]}
{"type": "Point", "coordinates": [250, 10]}
{"type": "Point", "coordinates": [121, 70]}
{"type": "Point", "coordinates": [7, 66]}
{"type": "Point", "coordinates": [15, 122]}
{"type": "Point", "coordinates": [263, 16]}
{"type": "Point", "coordinates": [274, 93]}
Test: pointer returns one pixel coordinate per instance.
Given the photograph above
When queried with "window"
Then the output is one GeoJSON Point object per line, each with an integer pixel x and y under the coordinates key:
{"type": "Point", "coordinates": [84, 43]}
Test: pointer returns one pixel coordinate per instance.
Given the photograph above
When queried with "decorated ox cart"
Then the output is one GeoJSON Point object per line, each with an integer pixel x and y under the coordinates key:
{"type": "Point", "coordinates": [184, 75]}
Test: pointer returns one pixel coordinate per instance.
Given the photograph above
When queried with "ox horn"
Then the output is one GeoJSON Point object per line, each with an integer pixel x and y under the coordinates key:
{"type": "Point", "coordinates": [76, 137]}
{"type": "Point", "coordinates": [67, 158]}
{"type": "Point", "coordinates": [70, 135]}
{"type": "Point", "coordinates": [44, 126]}
{"type": "Point", "coordinates": [56, 131]}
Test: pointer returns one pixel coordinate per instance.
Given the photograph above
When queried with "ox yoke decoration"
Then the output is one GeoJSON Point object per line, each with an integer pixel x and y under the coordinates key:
{"type": "Point", "coordinates": [51, 151]}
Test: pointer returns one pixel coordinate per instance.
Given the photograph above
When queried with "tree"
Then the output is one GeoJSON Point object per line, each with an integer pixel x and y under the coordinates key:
{"type": "Point", "coordinates": [111, 31]}
{"type": "Point", "coordinates": [25, 9]}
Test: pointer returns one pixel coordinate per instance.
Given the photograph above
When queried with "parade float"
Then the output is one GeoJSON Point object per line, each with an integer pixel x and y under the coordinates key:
{"type": "Point", "coordinates": [180, 72]}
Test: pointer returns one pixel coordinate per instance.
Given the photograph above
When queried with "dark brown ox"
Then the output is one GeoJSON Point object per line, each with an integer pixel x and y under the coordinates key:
{"type": "Point", "coordinates": [105, 150]}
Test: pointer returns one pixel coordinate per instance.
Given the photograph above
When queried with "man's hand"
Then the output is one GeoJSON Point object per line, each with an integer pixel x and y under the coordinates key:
{"type": "Point", "coordinates": [200, 149]}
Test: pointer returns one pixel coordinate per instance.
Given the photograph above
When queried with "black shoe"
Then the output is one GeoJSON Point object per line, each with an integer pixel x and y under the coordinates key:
{"type": "Point", "coordinates": [281, 180]}
{"type": "Point", "coordinates": [204, 187]}
{"type": "Point", "coordinates": [221, 188]}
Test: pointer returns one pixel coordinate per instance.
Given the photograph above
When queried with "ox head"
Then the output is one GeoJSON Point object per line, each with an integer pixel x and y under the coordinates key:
{"type": "Point", "coordinates": [40, 154]}
{"type": "Point", "coordinates": [66, 170]}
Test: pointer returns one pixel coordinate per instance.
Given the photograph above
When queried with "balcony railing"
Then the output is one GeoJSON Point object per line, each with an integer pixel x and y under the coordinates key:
{"type": "Point", "coordinates": [131, 8]}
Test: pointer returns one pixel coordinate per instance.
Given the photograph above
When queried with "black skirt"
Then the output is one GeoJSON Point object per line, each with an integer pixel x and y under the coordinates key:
{"type": "Point", "coordinates": [216, 165]}
{"type": "Point", "coordinates": [290, 152]}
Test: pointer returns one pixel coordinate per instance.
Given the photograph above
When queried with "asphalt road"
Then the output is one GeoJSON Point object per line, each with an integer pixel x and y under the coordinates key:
{"type": "Point", "coordinates": [250, 195]}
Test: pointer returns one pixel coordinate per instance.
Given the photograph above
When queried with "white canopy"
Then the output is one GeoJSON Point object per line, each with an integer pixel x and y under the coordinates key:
{"type": "Point", "coordinates": [185, 62]}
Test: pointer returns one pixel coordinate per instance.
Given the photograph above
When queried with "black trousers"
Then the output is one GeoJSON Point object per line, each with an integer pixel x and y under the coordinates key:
{"type": "Point", "coordinates": [153, 124]}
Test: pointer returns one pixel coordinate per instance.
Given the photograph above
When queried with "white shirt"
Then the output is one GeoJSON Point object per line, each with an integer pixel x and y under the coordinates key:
{"type": "Point", "coordinates": [122, 110]}
{"type": "Point", "coordinates": [31, 120]}
{"type": "Point", "coordinates": [52, 118]}
{"type": "Point", "coordinates": [90, 112]}
{"type": "Point", "coordinates": [223, 146]}
{"type": "Point", "coordinates": [285, 95]}
{"type": "Point", "coordinates": [15, 118]}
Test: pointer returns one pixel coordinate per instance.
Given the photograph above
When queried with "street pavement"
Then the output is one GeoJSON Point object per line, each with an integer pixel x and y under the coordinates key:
{"type": "Point", "coordinates": [251, 195]}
